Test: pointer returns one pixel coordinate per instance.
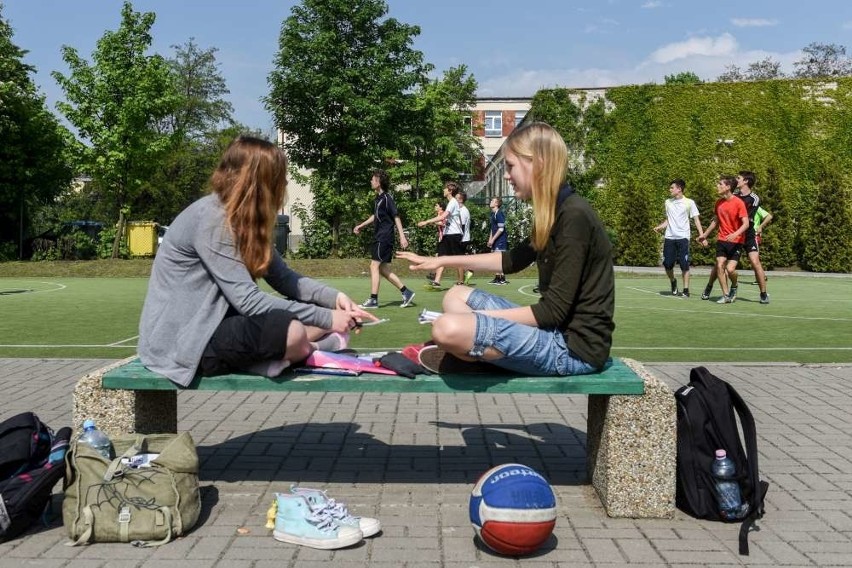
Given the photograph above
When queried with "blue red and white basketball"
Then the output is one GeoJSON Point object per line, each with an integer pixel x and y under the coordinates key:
{"type": "Point", "coordinates": [513, 509]}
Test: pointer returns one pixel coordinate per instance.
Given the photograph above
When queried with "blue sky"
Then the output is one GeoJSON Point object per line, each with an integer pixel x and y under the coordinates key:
{"type": "Point", "coordinates": [512, 47]}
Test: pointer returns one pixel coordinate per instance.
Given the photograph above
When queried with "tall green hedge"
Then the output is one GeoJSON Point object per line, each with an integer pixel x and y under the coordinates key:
{"type": "Point", "coordinates": [796, 135]}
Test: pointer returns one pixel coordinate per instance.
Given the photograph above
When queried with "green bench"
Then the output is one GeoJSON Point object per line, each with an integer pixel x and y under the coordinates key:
{"type": "Point", "coordinates": [630, 423]}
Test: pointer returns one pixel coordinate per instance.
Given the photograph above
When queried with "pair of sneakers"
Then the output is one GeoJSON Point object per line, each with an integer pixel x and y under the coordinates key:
{"type": "Point", "coordinates": [309, 517]}
{"type": "Point", "coordinates": [372, 303]}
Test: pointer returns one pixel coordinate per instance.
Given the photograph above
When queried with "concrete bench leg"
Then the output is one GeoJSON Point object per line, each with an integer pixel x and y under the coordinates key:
{"type": "Point", "coordinates": [632, 446]}
{"type": "Point", "coordinates": [123, 411]}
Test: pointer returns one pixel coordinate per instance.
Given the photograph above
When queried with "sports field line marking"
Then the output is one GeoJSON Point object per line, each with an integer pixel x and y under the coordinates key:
{"type": "Point", "coordinates": [523, 290]}
{"type": "Point", "coordinates": [731, 312]}
{"type": "Point", "coordinates": [668, 296]}
{"type": "Point", "coordinates": [119, 343]}
{"type": "Point", "coordinates": [719, 311]}
{"type": "Point", "coordinates": [57, 288]}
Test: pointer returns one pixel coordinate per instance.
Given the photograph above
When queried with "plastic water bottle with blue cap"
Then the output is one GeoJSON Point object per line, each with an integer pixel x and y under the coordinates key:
{"type": "Point", "coordinates": [96, 439]}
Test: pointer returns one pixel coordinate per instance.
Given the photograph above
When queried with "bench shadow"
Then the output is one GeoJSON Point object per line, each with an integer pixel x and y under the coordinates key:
{"type": "Point", "coordinates": [340, 452]}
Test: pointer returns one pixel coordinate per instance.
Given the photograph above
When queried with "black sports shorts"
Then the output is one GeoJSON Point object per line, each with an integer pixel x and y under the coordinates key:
{"type": "Point", "coordinates": [382, 251]}
{"type": "Point", "coordinates": [731, 251]}
{"type": "Point", "coordinates": [240, 341]}
{"type": "Point", "coordinates": [451, 245]}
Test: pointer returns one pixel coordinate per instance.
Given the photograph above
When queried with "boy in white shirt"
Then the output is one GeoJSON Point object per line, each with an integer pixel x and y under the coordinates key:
{"type": "Point", "coordinates": [679, 210]}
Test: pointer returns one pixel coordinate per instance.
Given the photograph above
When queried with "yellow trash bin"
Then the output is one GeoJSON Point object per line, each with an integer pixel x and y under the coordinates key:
{"type": "Point", "coordinates": [142, 238]}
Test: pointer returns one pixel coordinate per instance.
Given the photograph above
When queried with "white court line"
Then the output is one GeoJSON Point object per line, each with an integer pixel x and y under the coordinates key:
{"type": "Point", "coordinates": [57, 288]}
{"type": "Point", "coordinates": [720, 310]}
{"type": "Point", "coordinates": [119, 343]}
{"type": "Point", "coordinates": [730, 312]}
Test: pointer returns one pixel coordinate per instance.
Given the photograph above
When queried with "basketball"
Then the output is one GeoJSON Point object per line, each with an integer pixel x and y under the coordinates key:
{"type": "Point", "coordinates": [513, 509]}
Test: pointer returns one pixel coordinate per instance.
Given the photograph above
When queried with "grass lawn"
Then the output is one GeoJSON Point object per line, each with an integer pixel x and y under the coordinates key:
{"type": "Point", "coordinates": [807, 321]}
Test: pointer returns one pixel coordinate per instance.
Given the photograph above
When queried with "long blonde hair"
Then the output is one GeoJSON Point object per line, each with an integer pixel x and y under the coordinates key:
{"type": "Point", "coordinates": [545, 148]}
{"type": "Point", "coordinates": [251, 181]}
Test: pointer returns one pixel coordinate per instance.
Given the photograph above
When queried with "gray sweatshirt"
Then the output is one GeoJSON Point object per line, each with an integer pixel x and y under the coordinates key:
{"type": "Point", "coordinates": [197, 275]}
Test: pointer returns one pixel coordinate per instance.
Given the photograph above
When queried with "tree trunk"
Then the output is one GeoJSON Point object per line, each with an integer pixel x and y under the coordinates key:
{"type": "Point", "coordinates": [116, 243]}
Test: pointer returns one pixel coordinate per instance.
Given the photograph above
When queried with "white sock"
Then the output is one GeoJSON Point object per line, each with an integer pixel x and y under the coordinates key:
{"type": "Point", "coordinates": [270, 368]}
{"type": "Point", "coordinates": [334, 341]}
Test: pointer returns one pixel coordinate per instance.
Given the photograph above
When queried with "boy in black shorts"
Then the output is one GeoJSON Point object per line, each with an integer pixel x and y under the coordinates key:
{"type": "Point", "coordinates": [386, 217]}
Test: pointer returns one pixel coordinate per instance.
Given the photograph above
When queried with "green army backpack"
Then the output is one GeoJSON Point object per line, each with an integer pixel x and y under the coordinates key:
{"type": "Point", "coordinates": [147, 495]}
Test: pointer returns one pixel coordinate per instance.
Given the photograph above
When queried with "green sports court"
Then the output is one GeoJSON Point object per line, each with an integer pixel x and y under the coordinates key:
{"type": "Point", "coordinates": [808, 320]}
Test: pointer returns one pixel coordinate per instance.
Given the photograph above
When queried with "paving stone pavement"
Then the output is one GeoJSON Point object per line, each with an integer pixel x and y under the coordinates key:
{"type": "Point", "coordinates": [411, 460]}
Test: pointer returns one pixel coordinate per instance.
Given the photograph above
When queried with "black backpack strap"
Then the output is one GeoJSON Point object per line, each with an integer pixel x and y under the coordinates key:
{"type": "Point", "coordinates": [759, 488]}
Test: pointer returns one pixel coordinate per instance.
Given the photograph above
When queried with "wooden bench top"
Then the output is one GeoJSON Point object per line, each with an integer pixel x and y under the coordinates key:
{"type": "Point", "coordinates": [616, 379]}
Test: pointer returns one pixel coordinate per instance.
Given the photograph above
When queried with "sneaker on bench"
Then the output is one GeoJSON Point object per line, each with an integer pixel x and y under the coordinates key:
{"type": "Point", "coordinates": [439, 361]}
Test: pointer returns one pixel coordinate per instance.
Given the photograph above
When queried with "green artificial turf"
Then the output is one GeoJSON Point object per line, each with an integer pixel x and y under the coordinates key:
{"type": "Point", "coordinates": [807, 321]}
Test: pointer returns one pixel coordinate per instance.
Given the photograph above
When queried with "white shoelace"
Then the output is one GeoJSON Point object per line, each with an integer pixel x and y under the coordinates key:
{"type": "Point", "coordinates": [322, 520]}
{"type": "Point", "coordinates": [338, 510]}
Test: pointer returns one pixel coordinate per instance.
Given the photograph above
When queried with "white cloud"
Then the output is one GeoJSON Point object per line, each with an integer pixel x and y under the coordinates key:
{"type": "Point", "coordinates": [706, 46]}
{"type": "Point", "coordinates": [652, 4]}
{"type": "Point", "coordinates": [753, 22]}
{"type": "Point", "coordinates": [706, 57]}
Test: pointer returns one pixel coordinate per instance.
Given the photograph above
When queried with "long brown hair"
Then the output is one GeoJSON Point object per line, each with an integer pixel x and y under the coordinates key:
{"type": "Point", "coordinates": [545, 148]}
{"type": "Point", "coordinates": [251, 181]}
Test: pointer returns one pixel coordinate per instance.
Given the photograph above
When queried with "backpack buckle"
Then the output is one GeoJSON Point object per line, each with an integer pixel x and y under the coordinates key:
{"type": "Point", "coordinates": [124, 515]}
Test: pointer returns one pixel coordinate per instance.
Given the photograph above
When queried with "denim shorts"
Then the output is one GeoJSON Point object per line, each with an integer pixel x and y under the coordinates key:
{"type": "Point", "coordinates": [527, 350]}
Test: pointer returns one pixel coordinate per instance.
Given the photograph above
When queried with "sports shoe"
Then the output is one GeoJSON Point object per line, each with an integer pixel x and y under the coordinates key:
{"type": "Point", "coordinates": [320, 501]}
{"type": "Point", "coordinates": [535, 289]}
{"type": "Point", "coordinates": [370, 303]}
{"type": "Point", "coordinates": [725, 300]}
{"type": "Point", "coordinates": [407, 297]}
{"type": "Point", "coordinates": [494, 280]}
{"type": "Point", "coordinates": [468, 274]}
{"type": "Point", "coordinates": [733, 294]}
{"type": "Point", "coordinates": [439, 361]}
{"type": "Point", "coordinates": [706, 294]}
{"type": "Point", "coordinates": [674, 287]}
{"type": "Point", "coordinates": [296, 522]}
{"type": "Point", "coordinates": [435, 285]}
{"type": "Point", "coordinates": [764, 298]}
{"type": "Point", "coordinates": [503, 282]}
{"type": "Point", "coordinates": [685, 293]}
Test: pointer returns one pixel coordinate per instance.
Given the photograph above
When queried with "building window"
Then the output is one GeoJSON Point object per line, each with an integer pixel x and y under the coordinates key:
{"type": "Point", "coordinates": [519, 117]}
{"type": "Point", "coordinates": [468, 123]}
{"type": "Point", "coordinates": [493, 123]}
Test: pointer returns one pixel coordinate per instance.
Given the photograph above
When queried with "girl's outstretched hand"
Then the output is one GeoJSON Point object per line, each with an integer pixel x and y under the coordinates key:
{"type": "Point", "coordinates": [418, 262]}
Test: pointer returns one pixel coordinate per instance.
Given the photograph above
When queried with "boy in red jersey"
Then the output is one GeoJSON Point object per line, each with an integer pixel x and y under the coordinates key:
{"type": "Point", "coordinates": [732, 220]}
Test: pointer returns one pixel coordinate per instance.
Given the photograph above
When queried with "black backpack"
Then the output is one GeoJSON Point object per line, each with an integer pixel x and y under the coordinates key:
{"type": "Point", "coordinates": [31, 464]}
{"type": "Point", "coordinates": [707, 411]}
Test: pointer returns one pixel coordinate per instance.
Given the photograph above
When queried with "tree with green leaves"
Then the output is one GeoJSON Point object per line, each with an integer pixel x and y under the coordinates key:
{"type": "Point", "coordinates": [762, 70]}
{"type": "Point", "coordinates": [202, 109]}
{"type": "Point", "coordinates": [117, 104]}
{"type": "Point", "coordinates": [341, 91]}
{"type": "Point", "coordinates": [201, 124]}
{"type": "Point", "coordinates": [34, 164]}
{"type": "Point", "coordinates": [683, 78]}
{"type": "Point", "coordinates": [439, 143]}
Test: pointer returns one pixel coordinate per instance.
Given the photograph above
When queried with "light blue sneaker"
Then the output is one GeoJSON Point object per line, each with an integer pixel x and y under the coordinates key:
{"type": "Point", "coordinates": [321, 502]}
{"type": "Point", "coordinates": [297, 522]}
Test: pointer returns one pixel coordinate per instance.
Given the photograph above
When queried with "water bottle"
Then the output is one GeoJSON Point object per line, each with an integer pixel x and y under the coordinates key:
{"type": "Point", "coordinates": [728, 494]}
{"type": "Point", "coordinates": [96, 439]}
